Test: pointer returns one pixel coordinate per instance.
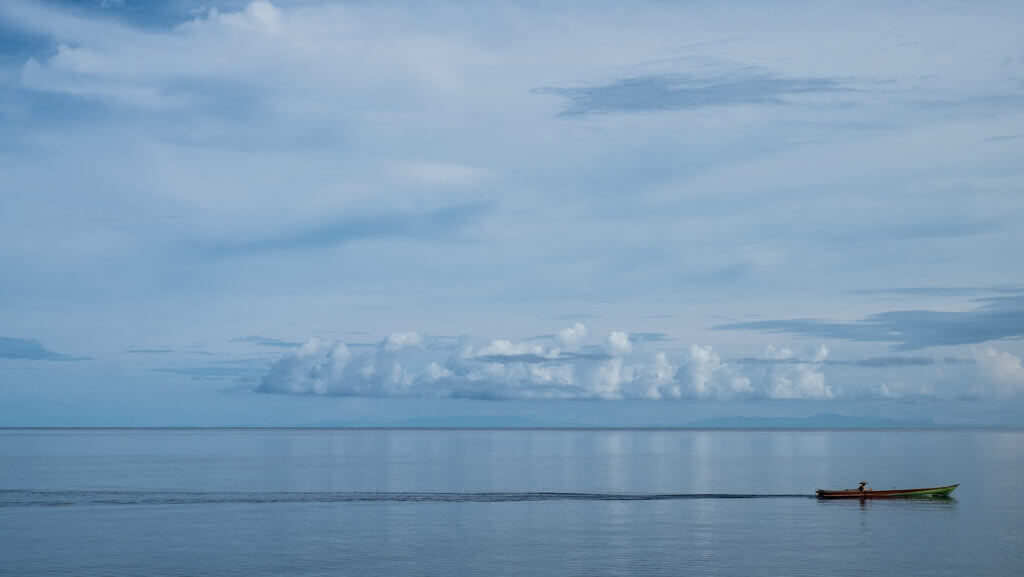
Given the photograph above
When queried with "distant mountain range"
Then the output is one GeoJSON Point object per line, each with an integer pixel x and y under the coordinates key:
{"type": "Point", "coordinates": [821, 421]}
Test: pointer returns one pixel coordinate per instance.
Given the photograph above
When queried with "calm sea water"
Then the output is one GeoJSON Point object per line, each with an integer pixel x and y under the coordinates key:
{"type": "Point", "coordinates": [506, 502]}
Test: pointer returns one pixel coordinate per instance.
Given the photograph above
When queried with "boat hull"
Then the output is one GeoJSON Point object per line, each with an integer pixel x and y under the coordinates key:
{"type": "Point", "coordinates": [891, 494]}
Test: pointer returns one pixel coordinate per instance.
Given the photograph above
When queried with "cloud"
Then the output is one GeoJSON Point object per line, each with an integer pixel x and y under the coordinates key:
{"type": "Point", "coordinates": [403, 340]}
{"type": "Point", "coordinates": [105, 60]}
{"type": "Point", "coordinates": [265, 341]}
{"type": "Point", "coordinates": [618, 343]}
{"type": "Point", "coordinates": [664, 92]}
{"type": "Point", "coordinates": [988, 374]}
{"type": "Point", "coordinates": [796, 380]}
{"type": "Point", "coordinates": [423, 225]}
{"type": "Point", "coordinates": [212, 371]}
{"type": "Point", "coordinates": [1003, 138]}
{"type": "Point", "coordinates": [32, 350]}
{"type": "Point", "coordinates": [409, 364]}
{"type": "Point", "coordinates": [870, 362]}
{"type": "Point", "coordinates": [575, 317]}
{"type": "Point", "coordinates": [997, 318]}
{"type": "Point", "coordinates": [711, 378]}
{"type": "Point", "coordinates": [323, 368]}
{"type": "Point", "coordinates": [571, 337]}
{"type": "Point", "coordinates": [1000, 374]}
{"type": "Point", "coordinates": [888, 362]}
{"type": "Point", "coordinates": [652, 337]}
{"type": "Point", "coordinates": [545, 358]}
{"type": "Point", "coordinates": [945, 291]}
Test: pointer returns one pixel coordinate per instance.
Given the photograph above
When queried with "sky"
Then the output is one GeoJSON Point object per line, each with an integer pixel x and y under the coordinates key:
{"type": "Point", "coordinates": [510, 213]}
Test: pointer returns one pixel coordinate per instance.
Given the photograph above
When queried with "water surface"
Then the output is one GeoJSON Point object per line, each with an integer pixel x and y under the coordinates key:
{"type": "Point", "coordinates": [505, 502]}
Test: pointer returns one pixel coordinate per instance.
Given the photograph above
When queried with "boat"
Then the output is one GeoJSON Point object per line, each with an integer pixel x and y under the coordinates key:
{"type": "Point", "coordinates": [868, 493]}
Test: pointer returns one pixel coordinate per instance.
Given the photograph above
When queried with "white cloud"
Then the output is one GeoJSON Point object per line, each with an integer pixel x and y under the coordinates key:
{"type": "Point", "coordinates": [310, 369]}
{"type": "Point", "coordinates": [793, 378]}
{"type": "Point", "coordinates": [408, 364]}
{"type": "Point", "coordinates": [571, 337]}
{"type": "Point", "coordinates": [259, 15]}
{"type": "Point", "coordinates": [916, 389]}
{"type": "Point", "coordinates": [711, 378]}
{"type": "Point", "coordinates": [618, 343]}
{"type": "Point", "coordinates": [999, 374]}
{"type": "Point", "coordinates": [402, 340]}
{"type": "Point", "coordinates": [504, 347]}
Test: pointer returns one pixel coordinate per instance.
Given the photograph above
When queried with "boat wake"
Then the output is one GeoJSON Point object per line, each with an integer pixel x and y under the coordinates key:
{"type": "Point", "coordinates": [26, 498]}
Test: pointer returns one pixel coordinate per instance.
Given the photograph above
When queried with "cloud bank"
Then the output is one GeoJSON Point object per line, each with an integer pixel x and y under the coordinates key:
{"type": "Point", "coordinates": [569, 366]}
{"type": "Point", "coordinates": [408, 364]}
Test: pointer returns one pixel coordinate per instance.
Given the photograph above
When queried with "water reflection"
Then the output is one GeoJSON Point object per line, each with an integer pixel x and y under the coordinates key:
{"type": "Point", "coordinates": [915, 502]}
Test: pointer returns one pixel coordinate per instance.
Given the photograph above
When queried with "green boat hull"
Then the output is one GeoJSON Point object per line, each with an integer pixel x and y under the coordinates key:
{"type": "Point", "coordinates": [890, 494]}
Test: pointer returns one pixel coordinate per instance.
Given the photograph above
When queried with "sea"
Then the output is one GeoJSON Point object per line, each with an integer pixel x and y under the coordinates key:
{"type": "Point", "coordinates": [453, 502]}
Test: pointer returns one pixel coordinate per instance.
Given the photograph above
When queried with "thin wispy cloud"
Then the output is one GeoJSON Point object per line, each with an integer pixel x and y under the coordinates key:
{"type": "Point", "coordinates": [666, 92]}
{"type": "Point", "coordinates": [433, 224]}
{"type": "Point", "coordinates": [1003, 138]}
{"type": "Point", "coordinates": [217, 371]}
{"type": "Point", "coordinates": [31, 350]}
{"type": "Point", "coordinates": [651, 337]}
{"type": "Point", "coordinates": [998, 318]}
{"type": "Point", "coordinates": [889, 362]}
{"type": "Point", "coordinates": [870, 362]}
{"type": "Point", "coordinates": [945, 291]}
{"type": "Point", "coordinates": [265, 341]}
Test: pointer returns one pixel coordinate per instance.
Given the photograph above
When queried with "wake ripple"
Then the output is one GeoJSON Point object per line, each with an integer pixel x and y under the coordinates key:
{"type": "Point", "coordinates": [25, 498]}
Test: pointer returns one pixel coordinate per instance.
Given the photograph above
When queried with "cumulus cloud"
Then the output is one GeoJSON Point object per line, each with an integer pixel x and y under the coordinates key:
{"type": "Point", "coordinates": [710, 377]}
{"type": "Point", "coordinates": [403, 340]}
{"type": "Point", "coordinates": [571, 337]}
{"type": "Point", "coordinates": [999, 374]}
{"type": "Point", "coordinates": [410, 364]}
{"type": "Point", "coordinates": [903, 390]}
{"type": "Point", "coordinates": [618, 343]}
{"type": "Point", "coordinates": [795, 380]}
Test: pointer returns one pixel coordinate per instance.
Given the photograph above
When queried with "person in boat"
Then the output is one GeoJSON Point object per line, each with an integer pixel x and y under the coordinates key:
{"type": "Point", "coordinates": [861, 488]}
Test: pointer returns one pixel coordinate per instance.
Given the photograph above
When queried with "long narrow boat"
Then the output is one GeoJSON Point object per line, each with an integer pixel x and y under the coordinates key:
{"type": "Point", "coordinates": [862, 493]}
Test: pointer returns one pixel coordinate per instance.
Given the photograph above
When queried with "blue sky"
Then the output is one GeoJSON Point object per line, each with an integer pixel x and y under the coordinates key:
{"type": "Point", "coordinates": [573, 213]}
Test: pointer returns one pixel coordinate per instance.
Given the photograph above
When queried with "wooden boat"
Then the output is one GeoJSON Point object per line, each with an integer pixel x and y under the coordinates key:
{"type": "Point", "coordinates": [868, 493]}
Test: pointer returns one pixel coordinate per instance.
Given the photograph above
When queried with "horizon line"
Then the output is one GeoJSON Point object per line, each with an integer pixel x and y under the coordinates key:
{"type": "Point", "coordinates": [503, 428]}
